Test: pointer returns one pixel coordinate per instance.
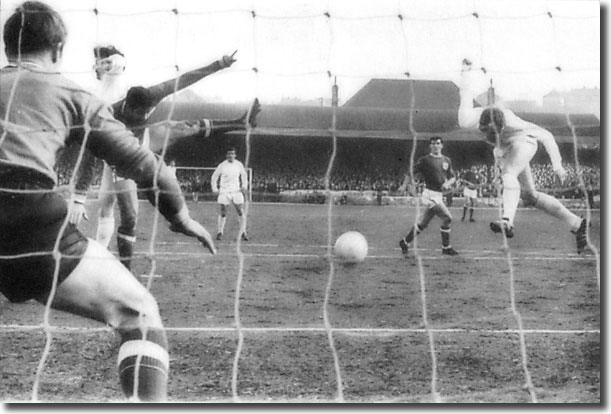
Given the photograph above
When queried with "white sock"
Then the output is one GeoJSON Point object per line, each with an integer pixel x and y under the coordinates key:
{"type": "Point", "coordinates": [221, 223]}
{"type": "Point", "coordinates": [511, 197]}
{"type": "Point", "coordinates": [242, 221]}
{"type": "Point", "coordinates": [555, 208]}
{"type": "Point", "coordinates": [106, 227]}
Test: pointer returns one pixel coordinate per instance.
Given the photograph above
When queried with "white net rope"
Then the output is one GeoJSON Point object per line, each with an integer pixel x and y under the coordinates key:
{"type": "Point", "coordinates": [335, 63]}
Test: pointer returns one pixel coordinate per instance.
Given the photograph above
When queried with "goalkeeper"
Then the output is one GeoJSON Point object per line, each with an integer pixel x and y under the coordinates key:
{"type": "Point", "coordinates": [515, 143]}
{"type": "Point", "coordinates": [134, 111]}
{"type": "Point", "coordinates": [41, 111]}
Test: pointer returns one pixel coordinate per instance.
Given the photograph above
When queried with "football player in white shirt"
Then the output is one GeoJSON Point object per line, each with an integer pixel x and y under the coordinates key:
{"type": "Point", "coordinates": [229, 180]}
{"type": "Point", "coordinates": [515, 143]}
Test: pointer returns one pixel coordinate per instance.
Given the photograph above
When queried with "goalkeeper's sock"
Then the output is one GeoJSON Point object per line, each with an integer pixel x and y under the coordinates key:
{"type": "Point", "coordinates": [555, 208]}
{"type": "Point", "coordinates": [125, 244]}
{"type": "Point", "coordinates": [144, 363]}
{"type": "Point", "coordinates": [221, 224]}
{"type": "Point", "coordinates": [106, 227]}
{"type": "Point", "coordinates": [220, 126]}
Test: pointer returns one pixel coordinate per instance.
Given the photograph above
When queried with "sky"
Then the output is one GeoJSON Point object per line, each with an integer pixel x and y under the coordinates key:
{"type": "Point", "coordinates": [296, 48]}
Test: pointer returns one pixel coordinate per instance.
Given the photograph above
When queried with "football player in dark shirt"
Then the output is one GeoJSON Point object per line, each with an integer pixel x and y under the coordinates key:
{"type": "Point", "coordinates": [471, 181]}
{"type": "Point", "coordinates": [438, 175]}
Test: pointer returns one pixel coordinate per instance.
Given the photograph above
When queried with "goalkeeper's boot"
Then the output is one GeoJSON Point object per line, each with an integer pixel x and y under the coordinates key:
{"type": "Point", "coordinates": [254, 111]}
{"type": "Point", "coordinates": [449, 250]}
{"type": "Point", "coordinates": [244, 236]}
{"type": "Point", "coordinates": [219, 236]}
{"type": "Point", "coordinates": [404, 247]}
{"type": "Point", "coordinates": [581, 237]}
{"type": "Point", "coordinates": [502, 226]}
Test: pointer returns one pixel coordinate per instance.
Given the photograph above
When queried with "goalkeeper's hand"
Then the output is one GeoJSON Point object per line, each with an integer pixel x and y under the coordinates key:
{"type": "Point", "coordinates": [76, 210]}
{"type": "Point", "coordinates": [227, 60]}
{"type": "Point", "coordinates": [182, 223]}
{"type": "Point", "coordinates": [467, 65]}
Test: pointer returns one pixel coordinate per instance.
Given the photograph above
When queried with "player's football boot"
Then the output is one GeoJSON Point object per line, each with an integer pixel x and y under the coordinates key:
{"type": "Point", "coordinates": [256, 108]}
{"type": "Point", "coordinates": [404, 247]}
{"type": "Point", "coordinates": [244, 237]}
{"type": "Point", "coordinates": [500, 226]}
{"type": "Point", "coordinates": [581, 238]}
{"type": "Point", "coordinates": [449, 251]}
{"type": "Point", "coordinates": [219, 236]}
{"type": "Point", "coordinates": [472, 220]}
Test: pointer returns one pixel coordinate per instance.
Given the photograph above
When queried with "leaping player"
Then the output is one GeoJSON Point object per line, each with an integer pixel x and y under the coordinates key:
{"type": "Point", "coordinates": [134, 111]}
{"type": "Point", "coordinates": [515, 143]}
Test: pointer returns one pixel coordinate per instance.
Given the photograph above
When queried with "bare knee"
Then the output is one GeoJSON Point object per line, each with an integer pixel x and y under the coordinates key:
{"type": "Point", "coordinates": [140, 311]}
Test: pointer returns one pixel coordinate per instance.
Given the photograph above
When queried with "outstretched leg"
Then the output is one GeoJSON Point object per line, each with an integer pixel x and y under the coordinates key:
{"type": "Point", "coordinates": [101, 288]}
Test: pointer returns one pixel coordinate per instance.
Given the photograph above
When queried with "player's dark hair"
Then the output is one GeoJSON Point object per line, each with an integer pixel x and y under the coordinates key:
{"type": "Point", "coordinates": [230, 148]}
{"type": "Point", "coordinates": [102, 52]}
{"type": "Point", "coordinates": [435, 138]}
{"type": "Point", "coordinates": [139, 97]}
{"type": "Point", "coordinates": [34, 27]}
{"type": "Point", "coordinates": [492, 116]}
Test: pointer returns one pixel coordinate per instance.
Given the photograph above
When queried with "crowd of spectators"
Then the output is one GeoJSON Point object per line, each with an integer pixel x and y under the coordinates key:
{"type": "Point", "coordinates": [300, 172]}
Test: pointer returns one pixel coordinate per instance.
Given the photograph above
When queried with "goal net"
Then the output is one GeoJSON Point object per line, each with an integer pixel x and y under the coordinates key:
{"type": "Point", "coordinates": [241, 324]}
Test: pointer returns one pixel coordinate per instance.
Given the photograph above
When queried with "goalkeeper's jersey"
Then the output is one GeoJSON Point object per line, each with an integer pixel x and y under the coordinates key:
{"type": "Point", "coordinates": [45, 111]}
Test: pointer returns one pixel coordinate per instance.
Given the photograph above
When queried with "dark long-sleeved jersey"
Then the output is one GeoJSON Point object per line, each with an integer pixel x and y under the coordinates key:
{"type": "Point", "coordinates": [434, 171]}
{"type": "Point", "coordinates": [158, 92]}
{"type": "Point", "coordinates": [41, 112]}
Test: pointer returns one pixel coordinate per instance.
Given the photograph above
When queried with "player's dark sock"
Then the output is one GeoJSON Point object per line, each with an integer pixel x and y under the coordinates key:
{"type": "Point", "coordinates": [471, 210]}
{"type": "Point", "coordinates": [464, 213]}
{"type": "Point", "coordinates": [445, 236]}
{"type": "Point", "coordinates": [125, 245]}
{"type": "Point", "coordinates": [414, 231]}
{"type": "Point", "coordinates": [581, 237]}
{"type": "Point", "coordinates": [145, 354]}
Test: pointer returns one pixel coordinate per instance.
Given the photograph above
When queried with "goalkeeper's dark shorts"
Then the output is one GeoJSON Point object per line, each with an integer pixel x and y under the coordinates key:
{"type": "Point", "coordinates": [30, 223]}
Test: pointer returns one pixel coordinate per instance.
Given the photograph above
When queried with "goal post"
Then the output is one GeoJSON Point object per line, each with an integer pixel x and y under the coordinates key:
{"type": "Point", "coordinates": [195, 181]}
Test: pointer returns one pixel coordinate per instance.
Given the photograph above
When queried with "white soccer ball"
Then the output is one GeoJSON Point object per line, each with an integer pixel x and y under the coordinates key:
{"type": "Point", "coordinates": [351, 247]}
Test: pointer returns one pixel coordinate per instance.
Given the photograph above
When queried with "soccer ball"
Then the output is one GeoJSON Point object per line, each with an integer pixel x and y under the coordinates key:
{"type": "Point", "coordinates": [351, 247]}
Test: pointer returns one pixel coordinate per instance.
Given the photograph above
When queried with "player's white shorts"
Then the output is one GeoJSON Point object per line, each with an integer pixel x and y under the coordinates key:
{"type": "Point", "coordinates": [235, 197]}
{"type": "Point", "coordinates": [467, 192]}
{"type": "Point", "coordinates": [431, 198]}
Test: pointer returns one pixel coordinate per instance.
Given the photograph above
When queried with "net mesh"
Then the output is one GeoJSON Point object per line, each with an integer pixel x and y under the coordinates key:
{"type": "Point", "coordinates": [347, 46]}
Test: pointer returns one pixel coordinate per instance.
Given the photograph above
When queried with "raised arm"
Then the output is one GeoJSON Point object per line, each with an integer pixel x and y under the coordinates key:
{"type": "Point", "coordinates": [170, 86]}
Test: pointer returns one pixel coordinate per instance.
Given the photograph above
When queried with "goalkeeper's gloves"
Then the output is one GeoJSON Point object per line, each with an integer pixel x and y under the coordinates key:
{"type": "Point", "coordinates": [181, 222]}
{"type": "Point", "coordinates": [227, 60]}
{"type": "Point", "coordinates": [76, 210]}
